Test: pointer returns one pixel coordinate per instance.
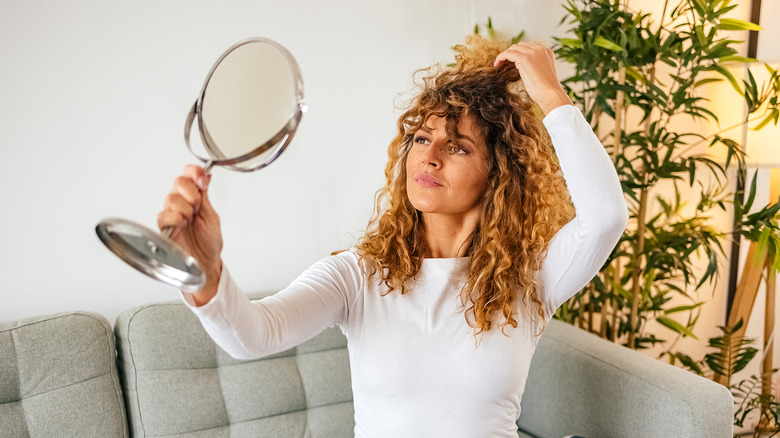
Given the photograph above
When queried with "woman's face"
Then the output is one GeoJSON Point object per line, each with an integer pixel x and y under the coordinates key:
{"type": "Point", "coordinates": [449, 179]}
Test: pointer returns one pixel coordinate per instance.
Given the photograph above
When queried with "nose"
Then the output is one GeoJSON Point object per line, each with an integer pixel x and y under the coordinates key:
{"type": "Point", "coordinates": [432, 155]}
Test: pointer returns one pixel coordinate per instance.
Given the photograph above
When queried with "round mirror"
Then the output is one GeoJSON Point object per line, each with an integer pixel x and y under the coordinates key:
{"type": "Point", "coordinates": [247, 112]}
{"type": "Point", "coordinates": [249, 107]}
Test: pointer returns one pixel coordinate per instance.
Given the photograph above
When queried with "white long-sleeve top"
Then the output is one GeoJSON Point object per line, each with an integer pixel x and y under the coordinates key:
{"type": "Point", "coordinates": [417, 370]}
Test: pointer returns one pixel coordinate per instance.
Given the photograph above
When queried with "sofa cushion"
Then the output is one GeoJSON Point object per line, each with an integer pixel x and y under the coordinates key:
{"type": "Point", "coordinates": [582, 384]}
{"type": "Point", "coordinates": [59, 378]}
{"type": "Point", "coordinates": [178, 382]}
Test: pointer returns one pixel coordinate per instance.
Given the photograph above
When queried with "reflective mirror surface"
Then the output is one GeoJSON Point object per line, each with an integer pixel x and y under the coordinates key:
{"type": "Point", "coordinates": [250, 106]}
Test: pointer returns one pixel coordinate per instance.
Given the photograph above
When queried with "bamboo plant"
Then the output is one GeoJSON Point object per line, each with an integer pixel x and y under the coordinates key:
{"type": "Point", "coordinates": [635, 77]}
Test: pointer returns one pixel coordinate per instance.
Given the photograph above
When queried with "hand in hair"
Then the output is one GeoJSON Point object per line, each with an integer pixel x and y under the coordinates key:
{"type": "Point", "coordinates": [536, 65]}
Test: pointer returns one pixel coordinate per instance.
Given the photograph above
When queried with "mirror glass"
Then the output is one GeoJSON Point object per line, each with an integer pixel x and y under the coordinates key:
{"type": "Point", "coordinates": [247, 113]}
{"type": "Point", "coordinates": [248, 105]}
{"type": "Point", "coordinates": [249, 97]}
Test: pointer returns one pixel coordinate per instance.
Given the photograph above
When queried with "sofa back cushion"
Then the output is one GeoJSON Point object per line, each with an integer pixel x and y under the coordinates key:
{"type": "Point", "coordinates": [58, 377]}
{"type": "Point", "coordinates": [178, 382]}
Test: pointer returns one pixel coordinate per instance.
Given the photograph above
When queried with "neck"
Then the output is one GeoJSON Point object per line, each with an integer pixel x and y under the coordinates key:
{"type": "Point", "coordinates": [448, 236]}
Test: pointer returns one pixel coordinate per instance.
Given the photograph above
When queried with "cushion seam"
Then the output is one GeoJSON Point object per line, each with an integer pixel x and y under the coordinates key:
{"type": "Point", "coordinates": [135, 372]}
{"type": "Point", "coordinates": [252, 420]}
{"type": "Point", "coordinates": [114, 372]}
{"type": "Point", "coordinates": [62, 387]}
{"type": "Point", "coordinates": [243, 362]}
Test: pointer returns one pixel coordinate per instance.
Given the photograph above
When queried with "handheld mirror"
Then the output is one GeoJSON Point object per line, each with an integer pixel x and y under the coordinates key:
{"type": "Point", "coordinates": [247, 113]}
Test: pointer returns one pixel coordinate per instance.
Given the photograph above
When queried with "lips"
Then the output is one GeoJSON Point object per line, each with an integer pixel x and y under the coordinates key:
{"type": "Point", "coordinates": [426, 180]}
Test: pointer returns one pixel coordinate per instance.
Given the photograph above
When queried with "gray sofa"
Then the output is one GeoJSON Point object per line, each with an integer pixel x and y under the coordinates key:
{"type": "Point", "coordinates": [59, 379]}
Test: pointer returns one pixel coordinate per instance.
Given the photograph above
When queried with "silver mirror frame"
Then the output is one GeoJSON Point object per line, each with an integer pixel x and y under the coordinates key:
{"type": "Point", "coordinates": [284, 136]}
{"type": "Point", "coordinates": [154, 254]}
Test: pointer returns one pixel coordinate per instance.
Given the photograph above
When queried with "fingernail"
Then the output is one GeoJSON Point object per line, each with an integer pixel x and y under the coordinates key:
{"type": "Point", "coordinates": [203, 183]}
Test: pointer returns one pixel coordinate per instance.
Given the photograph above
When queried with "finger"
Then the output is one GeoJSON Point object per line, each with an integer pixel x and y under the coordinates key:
{"type": "Point", "coordinates": [167, 218]}
{"type": "Point", "coordinates": [513, 54]}
{"type": "Point", "coordinates": [516, 48]}
{"type": "Point", "coordinates": [522, 51]}
{"type": "Point", "coordinates": [185, 187]}
{"type": "Point", "coordinates": [198, 176]}
{"type": "Point", "coordinates": [206, 209]}
{"type": "Point", "coordinates": [176, 204]}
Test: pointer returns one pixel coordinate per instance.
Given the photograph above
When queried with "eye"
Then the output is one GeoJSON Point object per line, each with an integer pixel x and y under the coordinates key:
{"type": "Point", "coordinates": [456, 149]}
{"type": "Point", "coordinates": [421, 139]}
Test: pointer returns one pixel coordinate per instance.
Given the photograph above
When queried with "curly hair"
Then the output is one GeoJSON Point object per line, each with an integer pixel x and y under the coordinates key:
{"type": "Point", "coordinates": [527, 200]}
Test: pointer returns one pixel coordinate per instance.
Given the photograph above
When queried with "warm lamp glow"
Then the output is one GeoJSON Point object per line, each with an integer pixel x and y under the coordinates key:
{"type": "Point", "coordinates": [768, 47]}
{"type": "Point", "coordinates": [763, 146]}
{"type": "Point", "coordinates": [774, 185]}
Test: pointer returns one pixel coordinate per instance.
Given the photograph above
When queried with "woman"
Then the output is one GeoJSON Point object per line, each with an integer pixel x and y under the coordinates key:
{"type": "Point", "coordinates": [473, 246]}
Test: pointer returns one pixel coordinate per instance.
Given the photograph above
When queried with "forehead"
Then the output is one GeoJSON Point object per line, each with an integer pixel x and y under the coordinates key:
{"type": "Point", "coordinates": [467, 126]}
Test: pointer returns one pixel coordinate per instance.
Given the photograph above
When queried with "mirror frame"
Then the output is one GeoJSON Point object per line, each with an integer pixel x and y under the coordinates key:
{"type": "Point", "coordinates": [283, 136]}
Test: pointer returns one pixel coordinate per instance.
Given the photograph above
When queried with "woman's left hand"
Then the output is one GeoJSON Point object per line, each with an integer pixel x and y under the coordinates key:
{"type": "Point", "coordinates": [536, 64]}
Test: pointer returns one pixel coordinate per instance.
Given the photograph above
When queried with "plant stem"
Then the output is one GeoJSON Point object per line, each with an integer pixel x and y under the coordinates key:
{"type": "Point", "coordinates": [769, 328]}
{"type": "Point", "coordinates": [617, 149]}
{"type": "Point", "coordinates": [604, 312]}
{"type": "Point", "coordinates": [615, 311]}
{"type": "Point", "coordinates": [590, 308]}
{"type": "Point", "coordinates": [639, 246]}
{"type": "Point", "coordinates": [639, 249]}
{"type": "Point", "coordinates": [619, 115]}
{"type": "Point", "coordinates": [603, 320]}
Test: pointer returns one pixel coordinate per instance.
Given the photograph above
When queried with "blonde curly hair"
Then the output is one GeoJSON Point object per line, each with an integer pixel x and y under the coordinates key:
{"type": "Point", "coordinates": [527, 200]}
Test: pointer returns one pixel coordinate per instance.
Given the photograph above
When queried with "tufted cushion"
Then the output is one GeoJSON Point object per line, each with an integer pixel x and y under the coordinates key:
{"type": "Point", "coordinates": [178, 382]}
{"type": "Point", "coordinates": [58, 377]}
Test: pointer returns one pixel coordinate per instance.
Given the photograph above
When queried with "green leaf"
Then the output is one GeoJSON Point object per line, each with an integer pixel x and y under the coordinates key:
{"type": "Point", "coordinates": [570, 42]}
{"type": "Point", "coordinates": [725, 73]}
{"type": "Point", "coordinates": [690, 363]}
{"type": "Point", "coordinates": [675, 326]}
{"type": "Point", "coordinates": [769, 118]}
{"type": "Point", "coordinates": [737, 58]}
{"type": "Point", "coordinates": [607, 44]}
{"type": "Point", "coordinates": [491, 31]}
{"type": "Point", "coordinates": [691, 170]}
{"type": "Point", "coordinates": [683, 308]}
{"type": "Point", "coordinates": [634, 73]}
{"type": "Point", "coordinates": [519, 37]}
{"type": "Point", "coordinates": [735, 24]}
{"type": "Point", "coordinates": [751, 194]}
{"type": "Point", "coordinates": [706, 81]}
{"type": "Point", "coordinates": [763, 238]}
{"type": "Point", "coordinates": [700, 7]}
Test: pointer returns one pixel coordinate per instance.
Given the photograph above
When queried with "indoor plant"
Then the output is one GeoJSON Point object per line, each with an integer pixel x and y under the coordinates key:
{"type": "Point", "coordinates": [635, 76]}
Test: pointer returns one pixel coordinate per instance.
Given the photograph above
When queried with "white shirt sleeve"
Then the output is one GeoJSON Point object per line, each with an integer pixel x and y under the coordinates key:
{"type": "Point", "coordinates": [579, 249]}
{"type": "Point", "coordinates": [317, 299]}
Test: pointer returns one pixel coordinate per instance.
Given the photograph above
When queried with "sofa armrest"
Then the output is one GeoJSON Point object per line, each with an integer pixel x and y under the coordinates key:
{"type": "Point", "coordinates": [584, 385]}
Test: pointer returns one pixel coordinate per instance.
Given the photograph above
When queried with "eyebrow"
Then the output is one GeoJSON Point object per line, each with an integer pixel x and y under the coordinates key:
{"type": "Point", "coordinates": [425, 129]}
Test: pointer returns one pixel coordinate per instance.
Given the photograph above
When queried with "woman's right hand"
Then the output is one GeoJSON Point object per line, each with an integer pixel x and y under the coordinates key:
{"type": "Point", "coordinates": [195, 226]}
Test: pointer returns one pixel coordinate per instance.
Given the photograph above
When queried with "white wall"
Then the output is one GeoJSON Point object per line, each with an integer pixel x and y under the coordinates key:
{"type": "Point", "coordinates": [93, 96]}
